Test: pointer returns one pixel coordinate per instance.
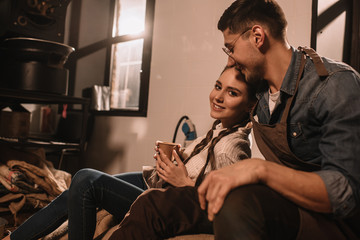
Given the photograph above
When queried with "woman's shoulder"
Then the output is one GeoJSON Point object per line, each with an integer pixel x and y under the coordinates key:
{"type": "Point", "coordinates": [235, 142]}
{"type": "Point", "coordinates": [242, 132]}
{"type": "Point", "coordinates": [232, 148]}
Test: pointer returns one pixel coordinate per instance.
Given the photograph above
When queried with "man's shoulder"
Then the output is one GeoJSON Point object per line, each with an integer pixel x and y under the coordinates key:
{"type": "Point", "coordinates": [339, 73]}
{"type": "Point", "coordinates": [334, 66]}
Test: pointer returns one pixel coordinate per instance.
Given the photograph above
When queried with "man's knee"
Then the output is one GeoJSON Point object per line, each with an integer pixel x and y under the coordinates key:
{"type": "Point", "coordinates": [256, 212]}
{"type": "Point", "coordinates": [241, 208]}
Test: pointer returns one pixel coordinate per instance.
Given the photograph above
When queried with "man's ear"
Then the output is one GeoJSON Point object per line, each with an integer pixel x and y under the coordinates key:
{"type": "Point", "coordinates": [258, 35]}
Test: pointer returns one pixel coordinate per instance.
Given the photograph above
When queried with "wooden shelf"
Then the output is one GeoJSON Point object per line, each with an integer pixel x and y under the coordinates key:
{"type": "Point", "coordinates": [14, 96]}
{"type": "Point", "coordinates": [38, 143]}
{"type": "Point", "coordinates": [25, 96]}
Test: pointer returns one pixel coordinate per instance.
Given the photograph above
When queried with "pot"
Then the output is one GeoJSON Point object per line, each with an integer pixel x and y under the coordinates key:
{"type": "Point", "coordinates": [34, 64]}
{"type": "Point", "coordinates": [31, 49]}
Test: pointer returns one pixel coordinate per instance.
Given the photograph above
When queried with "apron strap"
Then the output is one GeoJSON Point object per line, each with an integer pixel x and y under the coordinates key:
{"type": "Point", "coordinates": [319, 64]}
{"type": "Point", "coordinates": [320, 69]}
{"type": "Point", "coordinates": [289, 100]}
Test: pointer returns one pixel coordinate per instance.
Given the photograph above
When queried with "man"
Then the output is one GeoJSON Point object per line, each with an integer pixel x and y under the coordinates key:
{"type": "Point", "coordinates": [308, 130]}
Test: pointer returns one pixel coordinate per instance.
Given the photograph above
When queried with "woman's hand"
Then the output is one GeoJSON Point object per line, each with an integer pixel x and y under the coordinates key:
{"type": "Point", "coordinates": [175, 174]}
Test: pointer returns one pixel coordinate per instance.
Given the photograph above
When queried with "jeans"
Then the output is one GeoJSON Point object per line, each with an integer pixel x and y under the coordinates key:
{"type": "Point", "coordinates": [89, 190]}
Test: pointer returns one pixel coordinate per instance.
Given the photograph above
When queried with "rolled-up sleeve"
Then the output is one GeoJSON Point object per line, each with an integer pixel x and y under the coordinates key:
{"type": "Point", "coordinates": [339, 191]}
{"type": "Point", "coordinates": [340, 115]}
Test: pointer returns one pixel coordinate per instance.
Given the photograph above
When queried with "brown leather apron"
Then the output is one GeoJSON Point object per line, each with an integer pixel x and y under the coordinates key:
{"type": "Point", "coordinates": [272, 139]}
{"type": "Point", "coordinates": [273, 144]}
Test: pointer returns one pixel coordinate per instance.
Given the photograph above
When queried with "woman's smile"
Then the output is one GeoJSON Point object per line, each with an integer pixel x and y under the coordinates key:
{"type": "Point", "coordinates": [217, 107]}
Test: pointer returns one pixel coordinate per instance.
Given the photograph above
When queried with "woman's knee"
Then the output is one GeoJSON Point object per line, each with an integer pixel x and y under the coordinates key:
{"type": "Point", "coordinates": [83, 180]}
{"type": "Point", "coordinates": [84, 175]}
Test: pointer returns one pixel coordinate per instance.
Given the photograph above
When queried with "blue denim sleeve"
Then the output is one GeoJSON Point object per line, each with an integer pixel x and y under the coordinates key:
{"type": "Point", "coordinates": [337, 107]}
{"type": "Point", "coordinates": [339, 191]}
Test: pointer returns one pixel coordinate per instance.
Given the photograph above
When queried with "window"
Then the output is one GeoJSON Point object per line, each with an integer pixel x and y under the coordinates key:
{"type": "Point", "coordinates": [113, 41]}
{"type": "Point", "coordinates": [125, 75]}
{"type": "Point", "coordinates": [130, 56]}
{"type": "Point", "coordinates": [337, 20]}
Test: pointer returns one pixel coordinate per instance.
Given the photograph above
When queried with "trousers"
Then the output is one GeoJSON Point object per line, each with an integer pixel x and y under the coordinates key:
{"type": "Point", "coordinates": [249, 212]}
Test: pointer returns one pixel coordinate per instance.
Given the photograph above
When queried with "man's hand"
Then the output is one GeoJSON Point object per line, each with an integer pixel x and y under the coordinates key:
{"type": "Point", "coordinates": [219, 183]}
{"type": "Point", "coordinates": [305, 189]}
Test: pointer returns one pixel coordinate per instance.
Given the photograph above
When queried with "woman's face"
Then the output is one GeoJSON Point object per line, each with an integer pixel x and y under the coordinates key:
{"type": "Point", "coordinates": [229, 99]}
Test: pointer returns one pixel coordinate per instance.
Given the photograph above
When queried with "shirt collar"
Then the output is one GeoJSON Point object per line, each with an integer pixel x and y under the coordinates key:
{"type": "Point", "coordinates": [289, 82]}
{"type": "Point", "coordinates": [219, 127]}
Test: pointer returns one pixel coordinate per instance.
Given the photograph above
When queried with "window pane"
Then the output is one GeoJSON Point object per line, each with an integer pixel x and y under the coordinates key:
{"type": "Point", "coordinates": [129, 17]}
{"type": "Point", "coordinates": [125, 74]}
{"type": "Point", "coordinates": [335, 31]}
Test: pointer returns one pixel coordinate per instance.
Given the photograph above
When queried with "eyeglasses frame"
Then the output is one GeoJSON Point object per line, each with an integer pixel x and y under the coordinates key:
{"type": "Point", "coordinates": [228, 51]}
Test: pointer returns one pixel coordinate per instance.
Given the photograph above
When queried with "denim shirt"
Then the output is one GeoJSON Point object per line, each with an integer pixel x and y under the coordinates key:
{"type": "Point", "coordinates": [323, 126]}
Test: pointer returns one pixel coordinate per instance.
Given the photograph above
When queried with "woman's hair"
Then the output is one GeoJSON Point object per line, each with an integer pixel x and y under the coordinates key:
{"type": "Point", "coordinates": [200, 146]}
{"type": "Point", "coordinates": [210, 159]}
{"type": "Point", "coordinates": [250, 88]}
{"type": "Point", "coordinates": [242, 14]}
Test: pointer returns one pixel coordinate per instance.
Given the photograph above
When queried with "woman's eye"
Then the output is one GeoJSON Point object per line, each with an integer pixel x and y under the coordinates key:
{"type": "Point", "coordinates": [232, 93]}
{"type": "Point", "coordinates": [217, 87]}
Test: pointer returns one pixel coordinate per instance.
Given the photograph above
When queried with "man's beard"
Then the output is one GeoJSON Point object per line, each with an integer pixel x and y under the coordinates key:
{"type": "Point", "coordinates": [256, 79]}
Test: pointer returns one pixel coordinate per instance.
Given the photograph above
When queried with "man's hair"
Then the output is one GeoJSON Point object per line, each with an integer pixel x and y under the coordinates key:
{"type": "Point", "coordinates": [242, 14]}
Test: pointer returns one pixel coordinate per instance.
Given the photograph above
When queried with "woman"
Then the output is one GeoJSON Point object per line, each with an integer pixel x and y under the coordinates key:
{"type": "Point", "coordinates": [225, 143]}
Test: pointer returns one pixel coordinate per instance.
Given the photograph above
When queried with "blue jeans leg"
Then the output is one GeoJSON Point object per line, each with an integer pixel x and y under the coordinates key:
{"type": "Point", "coordinates": [44, 221]}
{"type": "Point", "coordinates": [89, 187]}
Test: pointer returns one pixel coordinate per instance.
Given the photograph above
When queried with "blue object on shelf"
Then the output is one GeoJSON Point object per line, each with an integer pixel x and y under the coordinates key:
{"type": "Point", "coordinates": [188, 129]}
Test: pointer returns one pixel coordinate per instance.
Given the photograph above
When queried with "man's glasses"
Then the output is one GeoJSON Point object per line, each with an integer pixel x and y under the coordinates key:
{"type": "Point", "coordinates": [230, 50]}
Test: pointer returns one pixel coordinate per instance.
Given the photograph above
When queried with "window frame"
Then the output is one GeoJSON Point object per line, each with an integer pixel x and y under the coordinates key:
{"type": "Point", "coordinates": [147, 35]}
{"type": "Point", "coordinates": [352, 28]}
{"type": "Point", "coordinates": [107, 43]}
